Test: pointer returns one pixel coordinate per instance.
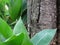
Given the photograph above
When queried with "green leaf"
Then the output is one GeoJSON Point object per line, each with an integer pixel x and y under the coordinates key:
{"type": "Point", "coordinates": [20, 28]}
{"type": "Point", "coordinates": [5, 30]}
{"type": "Point", "coordinates": [44, 37]}
{"type": "Point", "coordinates": [1, 43]}
{"type": "Point", "coordinates": [15, 40]}
{"type": "Point", "coordinates": [2, 38]}
{"type": "Point", "coordinates": [24, 4]}
{"type": "Point", "coordinates": [6, 1]}
{"type": "Point", "coordinates": [26, 41]}
{"type": "Point", "coordinates": [15, 8]}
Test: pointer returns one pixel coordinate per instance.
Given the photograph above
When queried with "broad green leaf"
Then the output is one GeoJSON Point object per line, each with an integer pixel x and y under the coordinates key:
{"type": "Point", "coordinates": [20, 28]}
{"type": "Point", "coordinates": [2, 38]}
{"type": "Point", "coordinates": [6, 1]}
{"type": "Point", "coordinates": [1, 43]}
{"type": "Point", "coordinates": [44, 37]}
{"type": "Point", "coordinates": [15, 40]}
{"type": "Point", "coordinates": [26, 41]}
{"type": "Point", "coordinates": [5, 30]}
{"type": "Point", "coordinates": [15, 8]}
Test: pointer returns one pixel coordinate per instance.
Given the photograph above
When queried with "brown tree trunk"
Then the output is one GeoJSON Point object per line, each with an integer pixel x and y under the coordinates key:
{"type": "Point", "coordinates": [32, 16]}
{"type": "Point", "coordinates": [41, 15]}
{"type": "Point", "coordinates": [48, 15]}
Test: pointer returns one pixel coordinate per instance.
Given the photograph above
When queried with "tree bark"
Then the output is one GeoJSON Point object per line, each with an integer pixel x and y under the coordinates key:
{"type": "Point", "coordinates": [32, 16]}
{"type": "Point", "coordinates": [48, 15]}
{"type": "Point", "coordinates": [41, 15]}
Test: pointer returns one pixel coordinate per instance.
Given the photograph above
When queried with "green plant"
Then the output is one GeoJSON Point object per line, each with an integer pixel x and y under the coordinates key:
{"type": "Point", "coordinates": [19, 35]}
{"type": "Point", "coordinates": [11, 10]}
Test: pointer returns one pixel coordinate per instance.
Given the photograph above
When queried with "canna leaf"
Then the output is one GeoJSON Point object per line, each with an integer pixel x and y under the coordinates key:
{"type": "Point", "coordinates": [5, 30]}
{"type": "Point", "coordinates": [2, 38]}
{"type": "Point", "coordinates": [44, 37]}
{"type": "Point", "coordinates": [15, 40]}
{"type": "Point", "coordinates": [15, 8]}
{"type": "Point", "coordinates": [1, 43]}
{"type": "Point", "coordinates": [20, 28]}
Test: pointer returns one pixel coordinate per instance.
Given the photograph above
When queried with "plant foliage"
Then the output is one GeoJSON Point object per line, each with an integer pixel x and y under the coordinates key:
{"type": "Point", "coordinates": [19, 35]}
{"type": "Point", "coordinates": [12, 10]}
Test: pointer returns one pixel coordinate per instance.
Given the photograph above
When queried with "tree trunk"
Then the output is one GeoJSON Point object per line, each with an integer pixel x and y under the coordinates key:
{"type": "Point", "coordinates": [48, 15]}
{"type": "Point", "coordinates": [41, 14]}
{"type": "Point", "coordinates": [32, 16]}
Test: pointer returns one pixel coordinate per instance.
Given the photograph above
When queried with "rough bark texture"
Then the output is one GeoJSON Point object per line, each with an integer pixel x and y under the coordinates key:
{"type": "Point", "coordinates": [41, 15]}
{"type": "Point", "coordinates": [48, 15]}
{"type": "Point", "coordinates": [32, 13]}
